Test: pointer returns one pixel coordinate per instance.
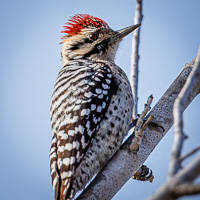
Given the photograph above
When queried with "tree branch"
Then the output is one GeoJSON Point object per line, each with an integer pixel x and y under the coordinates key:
{"type": "Point", "coordinates": [125, 163]}
{"type": "Point", "coordinates": [135, 55]}
{"type": "Point", "coordinates": [186, 189]}
{"type": "Point", "coordinates": [179, 136]}
{"type": "Point", "coordinates": [187, 174]}
{"type": "Point", "coordinates": [191, 171]}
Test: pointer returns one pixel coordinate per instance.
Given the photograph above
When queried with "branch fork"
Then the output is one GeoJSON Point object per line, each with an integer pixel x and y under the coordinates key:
{"type": "Point", "coordinates": [181, 180]}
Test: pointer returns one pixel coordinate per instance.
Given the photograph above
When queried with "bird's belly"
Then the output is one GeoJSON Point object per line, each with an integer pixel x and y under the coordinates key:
{"type": "Point", "coordinates": [107, 140]}
{"type": "Point", "coordinates": [113, 128]}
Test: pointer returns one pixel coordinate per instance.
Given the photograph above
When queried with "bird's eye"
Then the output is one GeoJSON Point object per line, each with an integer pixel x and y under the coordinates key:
{"type": "Point", "coordinates": [93, 36]}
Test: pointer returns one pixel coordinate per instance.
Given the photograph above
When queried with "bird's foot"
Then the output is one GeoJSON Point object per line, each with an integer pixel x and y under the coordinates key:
{"type": "Point", "coordinates": [140, 125]}
{"type": "Point", "coordinates": [144, 174]}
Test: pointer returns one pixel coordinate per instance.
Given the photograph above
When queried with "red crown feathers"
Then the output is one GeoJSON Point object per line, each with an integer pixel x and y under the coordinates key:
{"type": "Point", "coordinates": [80, 21]}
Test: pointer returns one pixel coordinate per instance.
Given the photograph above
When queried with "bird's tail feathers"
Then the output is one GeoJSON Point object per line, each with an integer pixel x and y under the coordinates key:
{"type": "Point", "coordinates": [62, 190]}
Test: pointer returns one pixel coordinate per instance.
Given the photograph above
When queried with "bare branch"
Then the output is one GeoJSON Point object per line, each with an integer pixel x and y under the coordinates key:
{"type": "Point", "coordinates": [135, 55]}
{"type": "Point", "coordinates": [125, 163]}
{"type": "Point", "coordinates": [186, 189]}
{"type": "Point", "coordinates": [192, 170]}
{"type": "Point", "coordinates": [179, 136]}
{"type": "Point", "coordinates": [189, 154]}
{"type": "Point", "coordinates": [187, 174]}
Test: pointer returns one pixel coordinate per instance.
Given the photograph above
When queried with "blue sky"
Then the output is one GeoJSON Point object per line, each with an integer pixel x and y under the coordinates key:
{"type": "Point", "coordinates": [30, 61]}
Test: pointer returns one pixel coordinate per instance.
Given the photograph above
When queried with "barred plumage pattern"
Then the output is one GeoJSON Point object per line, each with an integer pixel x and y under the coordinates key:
{"type": "Point", "coordinates": [88, 96]}
{"type": "Point", "coordinates": [80, 99]}
{"type": "Point", "coordinates": [91, 105]}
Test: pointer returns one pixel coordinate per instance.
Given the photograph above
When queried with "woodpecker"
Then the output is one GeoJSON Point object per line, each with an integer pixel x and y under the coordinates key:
{"type": "Point", "coordinates": [91, 105]}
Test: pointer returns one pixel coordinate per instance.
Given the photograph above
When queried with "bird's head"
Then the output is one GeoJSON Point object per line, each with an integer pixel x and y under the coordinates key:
{"type": "Point", "coordinates": [89, 37]}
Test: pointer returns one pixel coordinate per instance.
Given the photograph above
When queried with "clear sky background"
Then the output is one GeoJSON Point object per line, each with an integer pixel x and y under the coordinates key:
{"type": "Point", "coordinates": [30, 61]}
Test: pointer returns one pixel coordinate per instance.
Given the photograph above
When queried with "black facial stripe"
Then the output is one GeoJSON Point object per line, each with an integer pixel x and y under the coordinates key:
{"type": "Point", "coordinates": [86, 40]}
{"type": "Point", "coordinates": [101, 47]}
{"type": "Point", "coordinates": [78, 45]}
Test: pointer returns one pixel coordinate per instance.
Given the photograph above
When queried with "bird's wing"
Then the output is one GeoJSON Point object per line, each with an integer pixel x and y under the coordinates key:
{"type": "Point", "coordinates": [81, 97]}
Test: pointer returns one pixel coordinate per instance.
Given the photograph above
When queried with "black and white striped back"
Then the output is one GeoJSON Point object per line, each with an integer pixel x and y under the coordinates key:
{"type": "Point", "coordinates": [81, 97]}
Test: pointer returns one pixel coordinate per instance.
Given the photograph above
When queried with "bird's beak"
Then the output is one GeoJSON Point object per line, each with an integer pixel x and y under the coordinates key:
{"type": "Point", "coordinates": [122, 33]}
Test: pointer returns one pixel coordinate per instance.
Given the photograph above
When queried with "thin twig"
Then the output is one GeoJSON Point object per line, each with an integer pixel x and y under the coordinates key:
{"type": "Point", "coordinates": [179, 135]}
{"type": "Point", "coordinates": [189, 154]}
{"type": "Point", "coordinates": [135, 55]}
{"type": "Point", "coordinates": [141, 126]}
